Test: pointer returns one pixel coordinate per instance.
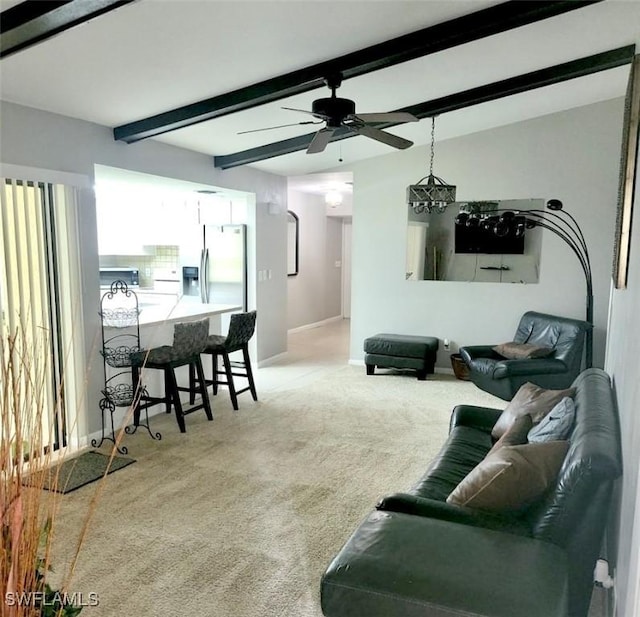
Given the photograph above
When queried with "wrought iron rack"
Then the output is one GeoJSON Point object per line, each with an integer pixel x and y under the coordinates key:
{"type": "Point", "coordinates": [119, 313]}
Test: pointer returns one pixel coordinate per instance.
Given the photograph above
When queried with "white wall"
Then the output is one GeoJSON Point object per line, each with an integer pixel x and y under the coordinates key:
{"type": "Point", "coordinates": [314, 295]}
{"type": "Point", "coordinates": [572, 156]}
{"type": "Point", "coordinates": [623, 351]}
{"type": "Point", "coordinates": [34, 138]}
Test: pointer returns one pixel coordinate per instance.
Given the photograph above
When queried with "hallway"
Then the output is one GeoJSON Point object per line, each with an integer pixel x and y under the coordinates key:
{"type": "Point", "coordinates": [311, 354]}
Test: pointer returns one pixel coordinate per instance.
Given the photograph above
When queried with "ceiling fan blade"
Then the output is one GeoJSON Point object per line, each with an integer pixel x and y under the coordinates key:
{"type": "Point", "coordinates": [280, 126]}
{"type": "Point", "coordinates": [382, 136]}
{"type": "Point", "coordinates": [306, 111]}
{"type": "Point", "coordinates": [320, 141]}
{"type": "Point", "coordinates": [392, 116]}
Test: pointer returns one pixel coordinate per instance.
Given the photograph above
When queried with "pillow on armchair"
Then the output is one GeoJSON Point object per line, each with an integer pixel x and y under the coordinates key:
{"type": "Point", "coordinates": [522, 351]}
{"type": "Point", "coordinates": [529, 399]}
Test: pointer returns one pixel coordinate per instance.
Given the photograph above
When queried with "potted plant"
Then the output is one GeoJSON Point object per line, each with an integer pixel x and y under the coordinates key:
{"type": "Point", "coordinates": [26, 509]}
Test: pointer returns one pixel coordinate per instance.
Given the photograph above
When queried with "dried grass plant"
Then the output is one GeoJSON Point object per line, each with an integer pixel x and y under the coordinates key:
{"type": "Point", "coordinates": [27, 458]}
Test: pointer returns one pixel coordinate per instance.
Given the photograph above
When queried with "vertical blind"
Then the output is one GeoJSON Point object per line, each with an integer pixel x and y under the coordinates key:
{"type": "Point", "coordinates": [40, 301]}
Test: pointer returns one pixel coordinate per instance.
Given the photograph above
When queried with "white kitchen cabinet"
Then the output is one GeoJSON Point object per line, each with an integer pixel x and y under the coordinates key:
{"type": "Point", "coordinates": [126, 227]}
{"type": "Point", "coordinates": [118, 229]}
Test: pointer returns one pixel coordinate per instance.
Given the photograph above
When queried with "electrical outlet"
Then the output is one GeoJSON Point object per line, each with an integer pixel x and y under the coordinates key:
{"type": "Point", "coordinates": [147, 271]}
{"type": "Point", "coordinates": [447, 344]}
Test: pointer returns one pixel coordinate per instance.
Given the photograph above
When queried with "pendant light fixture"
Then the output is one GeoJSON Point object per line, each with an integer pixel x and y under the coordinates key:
{"type": "Point", "coordinates": [435, 194]}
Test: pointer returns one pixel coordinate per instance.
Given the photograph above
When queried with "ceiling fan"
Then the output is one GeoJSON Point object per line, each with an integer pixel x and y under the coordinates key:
{"type": "Point", "coordinates": [341, 113]}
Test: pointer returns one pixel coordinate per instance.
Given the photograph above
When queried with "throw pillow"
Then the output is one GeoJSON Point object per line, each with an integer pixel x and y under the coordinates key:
{"type": "Point", "coordinates": [529, 399]}
{"type": "Point", "coordinates": [556, 424]}
{"type": "Point", "coordinates": [511, 478]}
{"type": "Point", "coordinates": [521, 351]}
{"type": "Point", "coordinates": [516, 434]}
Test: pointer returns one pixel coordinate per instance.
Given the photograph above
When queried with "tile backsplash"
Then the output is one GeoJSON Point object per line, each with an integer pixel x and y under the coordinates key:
{"type": "Point", "coordinates": [155, 256]}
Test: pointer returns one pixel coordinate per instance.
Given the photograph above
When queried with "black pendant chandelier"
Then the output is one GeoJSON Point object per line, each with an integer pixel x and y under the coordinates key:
{"type": "Point", "coordinates": [435, 194]}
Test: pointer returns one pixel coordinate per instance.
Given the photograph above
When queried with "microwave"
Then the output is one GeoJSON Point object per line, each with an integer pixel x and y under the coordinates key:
{"type": "Point", "coordinates": [131, 276]}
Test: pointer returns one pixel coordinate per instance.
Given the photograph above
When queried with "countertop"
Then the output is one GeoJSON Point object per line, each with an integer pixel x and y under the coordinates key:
{"type": "Point", "coordinates": [163, 313]}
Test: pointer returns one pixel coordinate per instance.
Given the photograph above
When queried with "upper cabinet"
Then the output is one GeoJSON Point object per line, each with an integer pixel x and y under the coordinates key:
{"type": "Point", "coordinates": [132, 216]}
{"type": "Point", "coordinates": [216, 209]}
{"type": "Point", "coordinates": [118, 227]}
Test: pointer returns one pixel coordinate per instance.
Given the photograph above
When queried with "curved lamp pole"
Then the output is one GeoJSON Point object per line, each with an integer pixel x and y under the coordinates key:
{"type": "Point", "coordinates": [556, 220]}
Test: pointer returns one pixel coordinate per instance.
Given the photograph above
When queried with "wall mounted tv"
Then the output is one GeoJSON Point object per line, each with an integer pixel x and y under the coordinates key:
{"type": "Point", "coordinates": [479, 240]}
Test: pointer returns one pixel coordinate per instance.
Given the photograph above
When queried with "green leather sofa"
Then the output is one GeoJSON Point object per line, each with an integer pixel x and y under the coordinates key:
{"type": "Point", "coordinates": [417, 556]}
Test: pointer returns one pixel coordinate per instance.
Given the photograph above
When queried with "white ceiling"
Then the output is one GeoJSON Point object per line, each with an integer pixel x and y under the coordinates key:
{"type": "Point", "coordinates": [154, 55]}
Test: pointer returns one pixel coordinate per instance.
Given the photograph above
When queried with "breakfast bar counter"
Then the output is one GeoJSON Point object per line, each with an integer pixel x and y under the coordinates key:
{"type": "Point", "coordinates": [182, 311]}
{"type": "Point", "coordinates": [156, 323]}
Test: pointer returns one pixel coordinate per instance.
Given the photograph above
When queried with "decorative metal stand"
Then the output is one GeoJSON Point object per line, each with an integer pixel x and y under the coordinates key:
{"type": "Point", "coordinates": [119, 312]}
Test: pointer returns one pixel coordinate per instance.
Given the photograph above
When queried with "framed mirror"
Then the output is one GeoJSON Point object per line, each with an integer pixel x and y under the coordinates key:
{"type": "Point", "coordinates": [439, 249]}
{"type": "Point", "coordinates": [293, 237]}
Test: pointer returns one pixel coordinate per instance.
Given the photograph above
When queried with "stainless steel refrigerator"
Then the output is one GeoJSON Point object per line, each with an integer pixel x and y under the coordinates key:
{"type": "Point", "coordinates": [222, 273]}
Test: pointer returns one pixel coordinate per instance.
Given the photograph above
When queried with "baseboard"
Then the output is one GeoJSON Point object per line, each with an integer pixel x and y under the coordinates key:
{"type": "Point", "coordinates": [273, 359]}
{"type": "Point", "coordinates": [316, 324]}
{"type": "Point", "coordinates": [443, 370]}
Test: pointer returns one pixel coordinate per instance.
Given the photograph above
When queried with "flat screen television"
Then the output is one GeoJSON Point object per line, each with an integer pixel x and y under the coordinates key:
{"type": "Point", "coordinates": [478, 240]}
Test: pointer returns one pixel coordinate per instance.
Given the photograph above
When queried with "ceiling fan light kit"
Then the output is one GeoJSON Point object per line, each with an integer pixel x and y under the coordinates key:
{"type": "Point", "coordinates": [435, 195]}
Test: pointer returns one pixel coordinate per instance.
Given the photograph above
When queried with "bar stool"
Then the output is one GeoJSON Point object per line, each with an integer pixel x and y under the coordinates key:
{"type": "Point", "coordinates": [241, 329]}
{"type": "Point", "coordinates": [189, 340]}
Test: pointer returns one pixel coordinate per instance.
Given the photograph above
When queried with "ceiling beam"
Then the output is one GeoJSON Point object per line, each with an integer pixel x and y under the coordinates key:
{"type": "Point", "coordinates": [474, 96]}
{"type": "Point", "coordinates": [28, 23]}
{"type": "Point", "coordinates": [477, 25]}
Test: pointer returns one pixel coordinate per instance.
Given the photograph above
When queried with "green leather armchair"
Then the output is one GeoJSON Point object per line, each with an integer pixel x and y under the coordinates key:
{"type": "Point", "coordinates": [502, 377]}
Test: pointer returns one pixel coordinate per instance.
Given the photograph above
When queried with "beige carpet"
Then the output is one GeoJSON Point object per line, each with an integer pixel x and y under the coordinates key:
{"type": "Point", "coordinates": [240, 516]}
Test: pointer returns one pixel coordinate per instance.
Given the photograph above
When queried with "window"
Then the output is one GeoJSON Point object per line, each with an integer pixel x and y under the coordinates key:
{"type": "Point", "coordinates": [40, 300]}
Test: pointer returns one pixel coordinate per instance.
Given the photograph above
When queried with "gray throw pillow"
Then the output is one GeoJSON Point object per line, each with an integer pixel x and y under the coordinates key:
{"type": "Point", "coordinates": [556, 425]}
{"type": "Point", "coordinates": [529, 399]}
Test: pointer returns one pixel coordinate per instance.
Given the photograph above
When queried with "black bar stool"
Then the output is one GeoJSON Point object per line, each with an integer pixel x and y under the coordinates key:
{"type": "Point", "coordinates": [189, 340]}
{"type": "Point", "coordinates": [241, 329]}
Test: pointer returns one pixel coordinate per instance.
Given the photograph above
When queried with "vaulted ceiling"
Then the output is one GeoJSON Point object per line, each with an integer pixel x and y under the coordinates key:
{"type": "Point", "coordinates": [164, 70]}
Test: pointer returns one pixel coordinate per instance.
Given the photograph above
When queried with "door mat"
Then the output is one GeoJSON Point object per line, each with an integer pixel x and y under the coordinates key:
{"type": "Point", "coordinates": [82, 470]}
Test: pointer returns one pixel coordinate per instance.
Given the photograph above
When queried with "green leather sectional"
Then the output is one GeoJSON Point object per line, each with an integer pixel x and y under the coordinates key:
{"type": "Point", "coordinates": [416, 555]}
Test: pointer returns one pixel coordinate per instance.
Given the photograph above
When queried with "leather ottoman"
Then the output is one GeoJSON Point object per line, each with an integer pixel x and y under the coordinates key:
{"type": "Point", "coordinates": [401, 351]}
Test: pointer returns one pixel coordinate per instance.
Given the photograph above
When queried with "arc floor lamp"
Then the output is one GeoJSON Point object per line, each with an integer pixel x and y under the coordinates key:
{"type": "Point", "coordinates": [558, 221]}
